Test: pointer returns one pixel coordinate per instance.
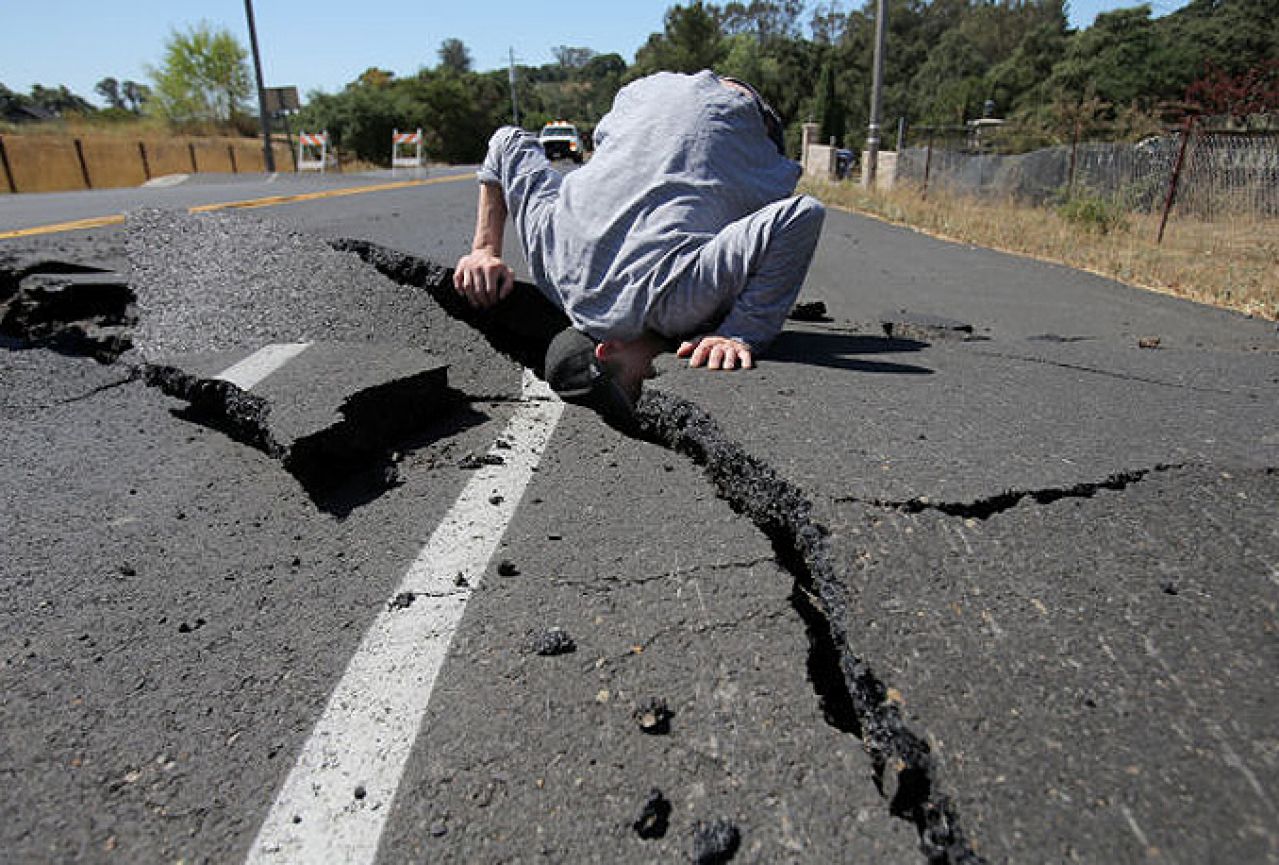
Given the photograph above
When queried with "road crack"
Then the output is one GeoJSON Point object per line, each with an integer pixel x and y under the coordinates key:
{"type": "Point", "coordinates": [985, 508]}
{"type": "Point", "coordinates": [853, 698]}
{"type": "Point", "coordinates": [1075, 367]}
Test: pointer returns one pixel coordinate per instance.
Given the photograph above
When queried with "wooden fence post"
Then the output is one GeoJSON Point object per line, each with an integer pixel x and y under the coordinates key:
{"type": "Point", "coordinates": [1176, 176]}
{"type": "Point", "coordinates": [195, 169]}
{"type": "Point", "coordinates": [84, 169]}
{"type": "Point", "coordinates": [146, 165]}
{"type": "Point", "coordinates": [230, 151]}
{"type": "Point", "coordinates": [8, 172]}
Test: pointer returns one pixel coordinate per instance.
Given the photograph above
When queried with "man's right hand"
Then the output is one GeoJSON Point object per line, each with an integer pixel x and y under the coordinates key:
{"type": "Point", "coordinates": [483, 278]}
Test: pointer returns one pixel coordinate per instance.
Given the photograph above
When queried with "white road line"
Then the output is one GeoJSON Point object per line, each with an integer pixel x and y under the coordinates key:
{"type": "Point", "coordinates": [262, 363]}
{"type": "Point", "coordinates": [363, 739]}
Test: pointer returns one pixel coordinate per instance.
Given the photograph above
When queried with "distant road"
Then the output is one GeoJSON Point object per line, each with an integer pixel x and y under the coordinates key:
{"type": "Point", "coordinates": [33, 214]}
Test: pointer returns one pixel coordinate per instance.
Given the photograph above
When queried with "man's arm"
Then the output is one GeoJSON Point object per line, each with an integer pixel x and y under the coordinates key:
{"type": "Point", "coordinates": [481, 276]}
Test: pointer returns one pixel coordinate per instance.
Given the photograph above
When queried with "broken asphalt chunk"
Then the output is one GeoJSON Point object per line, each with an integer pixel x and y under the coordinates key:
{"type": "Point", "coordinates": [715, 842]}
{"type": "Point", "coordinates": [924, 326]}
{"type": "Point", "coordinates": [402, 601]}
{"type": "Point", "coordinates": [553, 641]}
{"type": "Point", "coordinates": [654, 816]}
{"type": "Point", "coordinates": [471, 462]}
{"type": "Point", "coordinates": [814, 310]}
{"type": "Point", "coordinates": [653, 717]}
{"type": "Point", "coordinates": [335, 412]}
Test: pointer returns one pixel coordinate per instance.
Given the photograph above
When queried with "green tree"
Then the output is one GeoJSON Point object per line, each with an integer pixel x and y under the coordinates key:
{"type": "Point", "coordinates": [1019, 82]}
{"type": "Point", "coordinates": [11, 102]}
{"type": "Point", "coordinates": [951, 81]}
{"type": "Point", "coordinates": [572, 59]}
{"type": "Point", "coordinates": [1122, 58]}
{"type": "Point", "coordinates": [109, 89]}
{"type": "Point", "coordinates": [454, 56]}
{"type": "Point", "coordinates": [830, 109]}
{"type": "Point", "coordinates": [691, 41]}
{"type": "Point", "coordinates": [204, 77]}
{"type": "Point", "coordinates": [135, 95]}
{"type": "Point", "coordinates": [59, 100]}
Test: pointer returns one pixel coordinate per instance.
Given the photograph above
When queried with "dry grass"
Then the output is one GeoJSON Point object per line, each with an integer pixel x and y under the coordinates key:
{"type": "Point", "coordinates": [1231, 262]}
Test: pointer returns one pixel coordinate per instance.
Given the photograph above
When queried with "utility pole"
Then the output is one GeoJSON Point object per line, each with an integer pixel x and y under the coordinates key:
{"type": "Point", "coordinates": [515, 108]}
{"type": "Point", "coordinates": [871, 169]}
{"type": "Point", "coordinates": [268, 154]}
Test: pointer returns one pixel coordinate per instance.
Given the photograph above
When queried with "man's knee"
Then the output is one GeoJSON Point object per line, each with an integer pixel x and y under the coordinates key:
{"type": "Point", "coordinates": [804, 219]}
{"type": "Point", "coordinates": [809, 212]}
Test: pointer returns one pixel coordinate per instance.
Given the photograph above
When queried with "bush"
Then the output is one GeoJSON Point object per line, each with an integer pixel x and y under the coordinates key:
{"type": "Point", "coordinates": [1093, 212]}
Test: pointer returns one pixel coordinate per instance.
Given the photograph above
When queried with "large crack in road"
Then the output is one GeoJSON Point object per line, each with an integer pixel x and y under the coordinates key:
{"type": "Point", "coordinates": [853, 698]}
{"type": "Point", "coordinates": [52, 305]}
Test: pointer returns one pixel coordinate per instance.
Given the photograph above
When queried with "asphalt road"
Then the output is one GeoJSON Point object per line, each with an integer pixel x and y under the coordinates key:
{"type": "Point", "coordinates": [962, 572]}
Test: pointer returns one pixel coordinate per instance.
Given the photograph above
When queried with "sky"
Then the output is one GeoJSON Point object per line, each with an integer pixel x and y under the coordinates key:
{"type": "Point", "coordinates": [324, 44]}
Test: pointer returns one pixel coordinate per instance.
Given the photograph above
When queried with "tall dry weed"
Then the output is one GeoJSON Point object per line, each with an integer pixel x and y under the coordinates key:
{"type": "Point", "coordinates": [1231, 261]}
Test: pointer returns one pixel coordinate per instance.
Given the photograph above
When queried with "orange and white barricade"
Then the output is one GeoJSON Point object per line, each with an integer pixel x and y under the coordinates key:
{"type": "Point", "coordinates": [313, 151]}
{"type": "Point", "coordinates": [406, 142]}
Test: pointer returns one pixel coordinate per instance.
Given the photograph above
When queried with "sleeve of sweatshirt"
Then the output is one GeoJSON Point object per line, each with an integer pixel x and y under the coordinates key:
{"type": "Point", "coordinates": [491, 169]}
{"type": "Point", "coordinates": [787, 238]}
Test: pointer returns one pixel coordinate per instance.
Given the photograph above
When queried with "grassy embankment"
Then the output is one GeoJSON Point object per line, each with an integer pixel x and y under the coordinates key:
{"type": "Point", "coordinates": [1231, 263]}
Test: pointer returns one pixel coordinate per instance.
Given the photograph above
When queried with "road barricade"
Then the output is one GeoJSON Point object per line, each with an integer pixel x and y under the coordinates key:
{"type": "Point", "coordinates": [313, 151]}
{"type": "Point", "coordinates": [401, 142]}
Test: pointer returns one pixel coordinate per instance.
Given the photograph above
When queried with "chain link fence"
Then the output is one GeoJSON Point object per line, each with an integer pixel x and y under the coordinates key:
{"type": "Point", "coordinates": [1223, 173]}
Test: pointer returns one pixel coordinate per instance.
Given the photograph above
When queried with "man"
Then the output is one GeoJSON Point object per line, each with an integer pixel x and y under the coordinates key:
{"type": "Point", "coordinates": [682, 226]}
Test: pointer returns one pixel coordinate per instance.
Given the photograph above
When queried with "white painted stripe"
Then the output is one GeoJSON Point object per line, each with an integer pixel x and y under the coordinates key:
{"type": "Point", "coordinates": [262, 363]}
{"type": "Point", "coordinates": [364, 737]}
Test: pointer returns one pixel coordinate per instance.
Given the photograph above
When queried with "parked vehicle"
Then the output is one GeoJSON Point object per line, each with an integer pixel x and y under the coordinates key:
{"type": "Point", "coordinates": [559, 139]}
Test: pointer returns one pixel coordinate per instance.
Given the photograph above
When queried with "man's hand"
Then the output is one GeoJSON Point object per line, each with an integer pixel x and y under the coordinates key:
{"type": "Point", "coordinates": [716, 352]}
{"type": "Point", "coordinates": [483, 278]}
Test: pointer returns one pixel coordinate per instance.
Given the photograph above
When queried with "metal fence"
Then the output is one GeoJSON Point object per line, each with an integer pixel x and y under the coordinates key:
{"type": "Point", "coordinates": [1222, 172]}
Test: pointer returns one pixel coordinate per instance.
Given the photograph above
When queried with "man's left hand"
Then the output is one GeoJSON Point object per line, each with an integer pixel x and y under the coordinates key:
{"type": "Point", "coordinates": [716, 352]}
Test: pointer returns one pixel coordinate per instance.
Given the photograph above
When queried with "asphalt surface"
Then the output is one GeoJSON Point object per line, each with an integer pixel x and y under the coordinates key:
{"type": "Point", "coordinates": [1002, 585]}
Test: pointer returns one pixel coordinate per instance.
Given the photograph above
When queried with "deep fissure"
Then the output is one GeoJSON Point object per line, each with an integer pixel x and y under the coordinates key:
{"type": "Point", "coordinates": [852, 697]}
{"type": "Point", "coordinates": [69, 308]}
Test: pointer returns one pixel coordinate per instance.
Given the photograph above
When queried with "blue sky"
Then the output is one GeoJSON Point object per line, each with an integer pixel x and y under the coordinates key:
{"type": "Point", "coordinates": [323, 44]}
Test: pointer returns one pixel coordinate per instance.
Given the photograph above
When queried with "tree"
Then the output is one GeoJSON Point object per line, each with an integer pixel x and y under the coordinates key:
{"type": "Point", "coordinates": [59, 100]}
{"type": "Point", "coordinates": [830, 110]}
{"type": "Point", "coordinates": [109, 89]}
{"type": "Point", "coordinates": [1122, 58]}
{"type": "Point", "coordinates": [204, 77]}
{"type": "Point", "coordinates": [692, 41]}
{"type": "Point", "coordinates": [454, 56]}
{"type": "Point", "coordinates": [1254, 91]}
{"type": "Point", "coordinates": [11, 102]}
{"type": "Point", "coordinates": [572, 59]}
{"type": "Point", "coordinates": [375, 77]}
{"type": "Point", "coordinates": [135, 95]}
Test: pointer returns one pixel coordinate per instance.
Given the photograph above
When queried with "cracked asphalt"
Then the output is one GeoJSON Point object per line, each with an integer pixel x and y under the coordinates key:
{"type": "Point", "coordinates": [1005, 593]}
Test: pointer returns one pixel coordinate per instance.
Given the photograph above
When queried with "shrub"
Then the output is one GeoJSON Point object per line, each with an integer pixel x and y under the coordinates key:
{"type": "Point", "coordinates": [1092, 212]}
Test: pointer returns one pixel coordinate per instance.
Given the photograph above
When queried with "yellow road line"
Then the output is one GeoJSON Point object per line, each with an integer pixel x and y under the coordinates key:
{"type": "Point", "coordinates": [270, 201]}
{"type": "Point", "coordinates": [328, 193]}
{"type": "Point", "coordinates": [76, 225]}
